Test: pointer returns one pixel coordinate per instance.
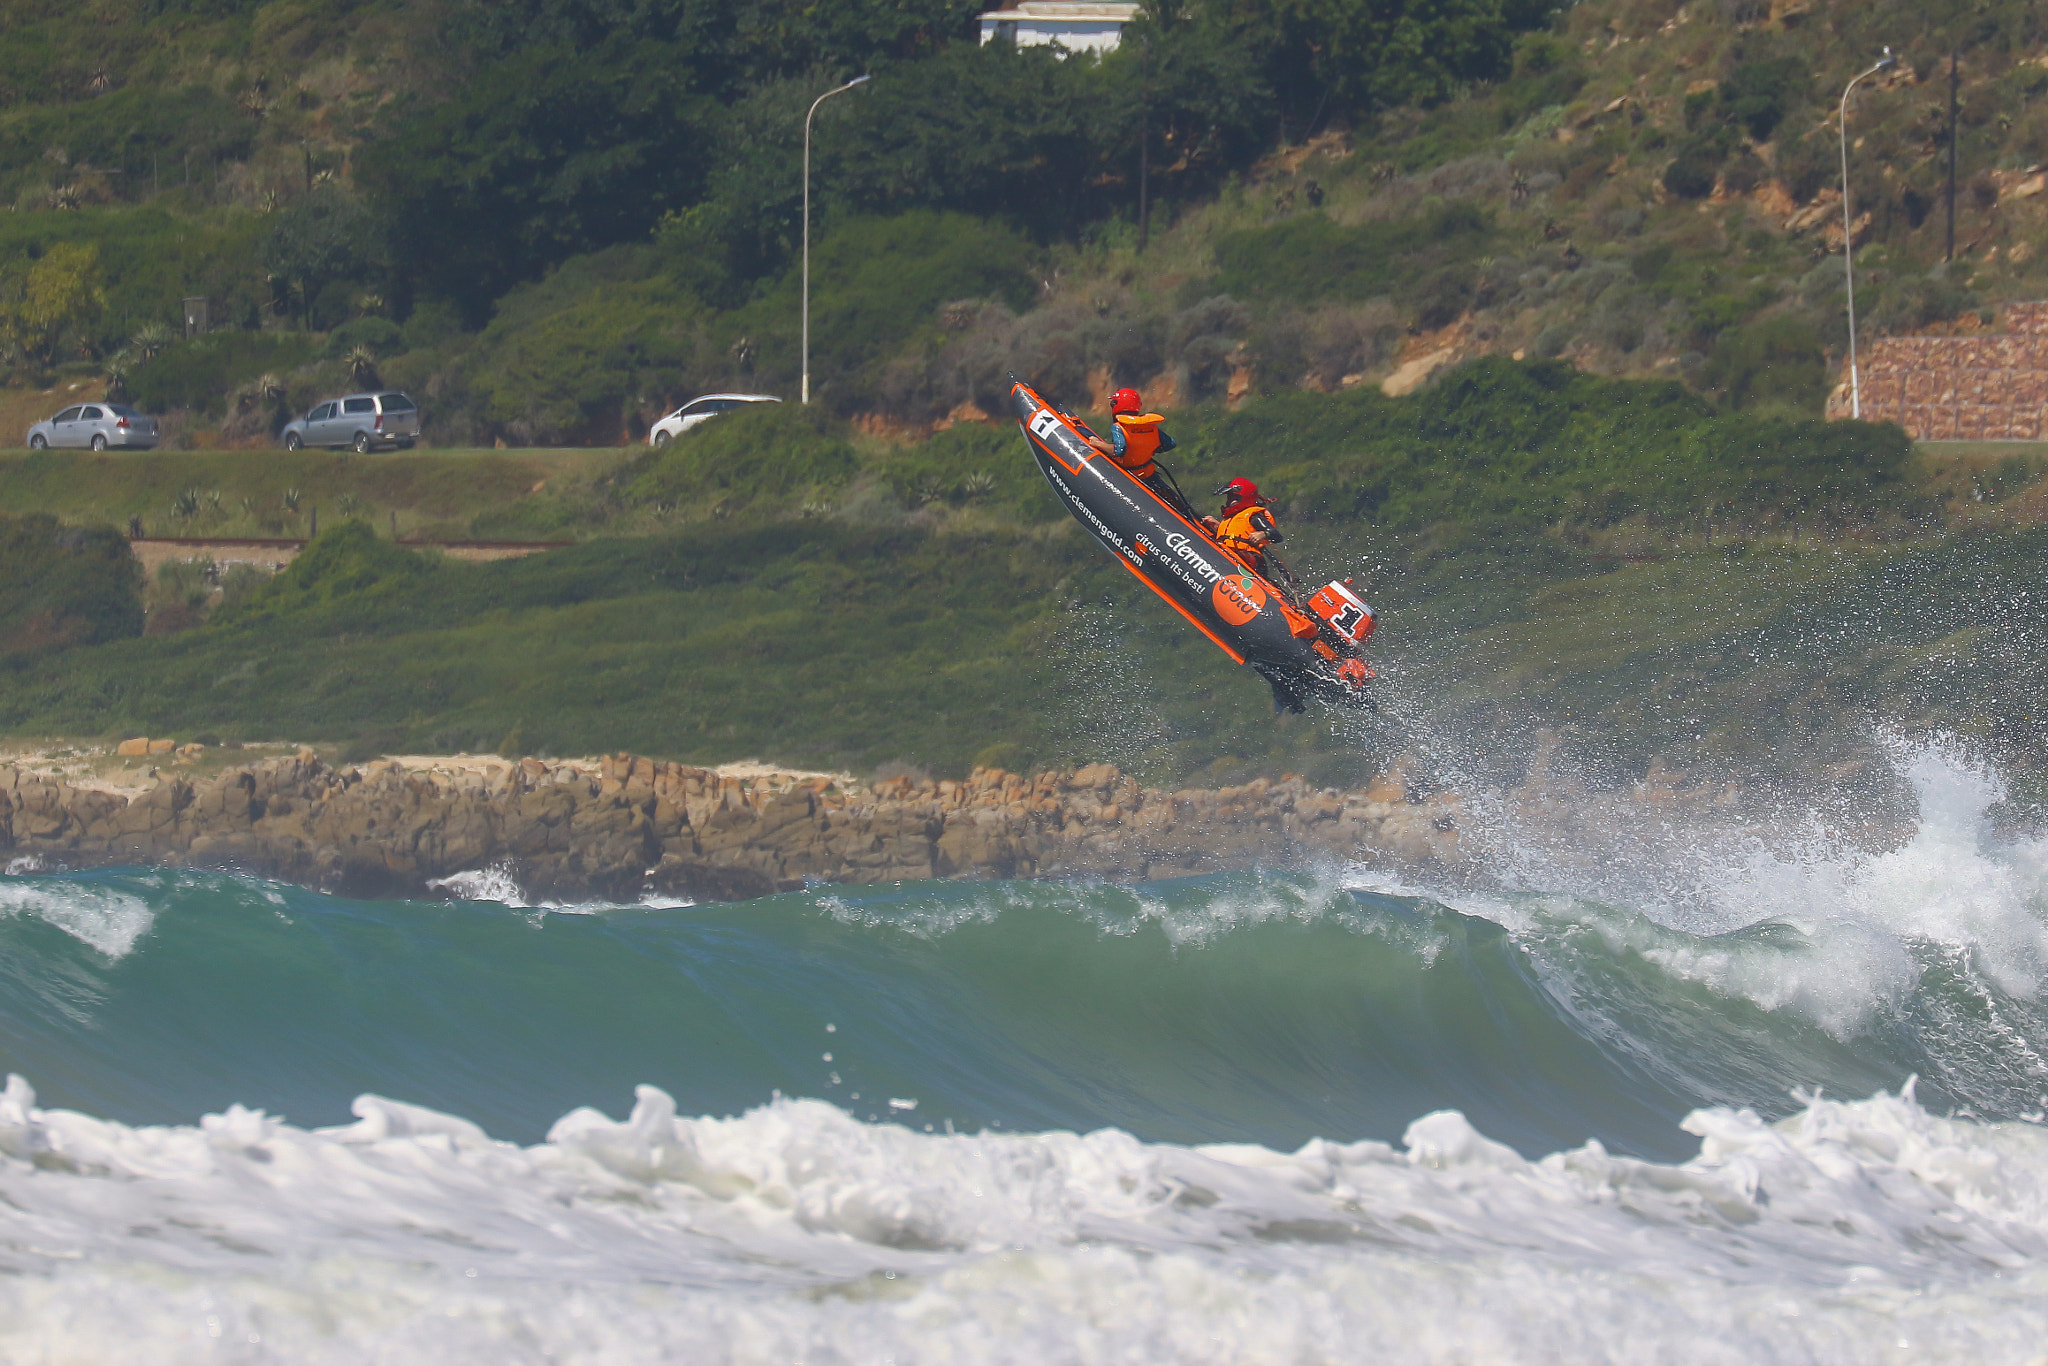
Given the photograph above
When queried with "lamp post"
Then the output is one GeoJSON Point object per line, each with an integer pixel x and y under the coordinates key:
{"type": "Point", "coordinates": [857, 80]}
{"type": "Point", "coordinates": [1849, 234]}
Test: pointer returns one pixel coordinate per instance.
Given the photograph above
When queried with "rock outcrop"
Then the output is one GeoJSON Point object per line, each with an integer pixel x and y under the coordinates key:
{"type": "Point", "coordinates": [634, 825]}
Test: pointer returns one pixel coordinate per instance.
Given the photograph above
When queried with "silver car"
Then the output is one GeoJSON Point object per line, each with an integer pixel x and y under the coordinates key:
{"type": "Point", "coordinates": [98, 425]}
{"type": "Point", "coordinates": [364, 421]}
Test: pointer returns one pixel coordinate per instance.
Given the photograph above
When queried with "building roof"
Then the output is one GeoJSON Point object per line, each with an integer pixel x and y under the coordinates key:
{"type": "Point", "coordinates": [1108, 11]}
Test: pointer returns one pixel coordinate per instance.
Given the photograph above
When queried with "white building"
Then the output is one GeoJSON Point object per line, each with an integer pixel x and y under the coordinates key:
{"type": "Point", "coordinates": [1076, 25]}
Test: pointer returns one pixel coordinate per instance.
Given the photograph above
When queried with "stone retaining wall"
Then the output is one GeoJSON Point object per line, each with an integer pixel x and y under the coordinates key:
{"type": "Point", "coordinates": [1977, 387]}
{"type": "Point", "coordinates": [635, 825]}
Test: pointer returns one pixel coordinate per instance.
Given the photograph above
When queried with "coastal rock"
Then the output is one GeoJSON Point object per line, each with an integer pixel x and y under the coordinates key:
{"type": "Point", "coordinates": [630, 825]}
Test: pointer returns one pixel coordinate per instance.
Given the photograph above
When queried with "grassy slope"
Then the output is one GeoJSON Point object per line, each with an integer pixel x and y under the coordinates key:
{"type": "Point", "coordinates": [829, 618]}
{"type": "Point", "coordinates": [457, 495]}
{"type": "Point", "coordinates": [839, 646]}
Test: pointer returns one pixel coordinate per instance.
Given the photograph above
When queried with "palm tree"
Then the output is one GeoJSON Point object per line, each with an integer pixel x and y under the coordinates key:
{"type": "Point", "coordinates": [362, 364]}
{"type": "Point", "coordinates": [117, 367]}
{"type": "Point", "coordinates": [151, 339]}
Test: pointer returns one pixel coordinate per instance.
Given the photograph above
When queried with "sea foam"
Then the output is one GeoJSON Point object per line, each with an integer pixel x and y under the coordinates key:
{"type": "Point", "coordinates": [107, 918]}
{"type": "Point", "coordinates": [1865, 924]}
{"type": "Point", "coordinates": [1851, 1232]}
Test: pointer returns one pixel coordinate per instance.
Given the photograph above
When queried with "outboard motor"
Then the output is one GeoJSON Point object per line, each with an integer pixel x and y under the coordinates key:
{"type": "Point", "coordinates": [1346, 612]}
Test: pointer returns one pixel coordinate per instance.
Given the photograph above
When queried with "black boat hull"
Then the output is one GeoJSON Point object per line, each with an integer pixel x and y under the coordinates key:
{"type": "Point", "coordinates": [1242, 613]}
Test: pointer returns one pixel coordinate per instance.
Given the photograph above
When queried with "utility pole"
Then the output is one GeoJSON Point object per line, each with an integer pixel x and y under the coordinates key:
{"type": "Point", "coordinates": [306, 147]}
{"type": "Point", "coordinates": [805, 387]}
{"type": "Point", "coordinates": [1950, 254]}
{"type": "Point", "coordinates": [1145, 142]}
{"type": "Point", "coordinates": [1849, 233]}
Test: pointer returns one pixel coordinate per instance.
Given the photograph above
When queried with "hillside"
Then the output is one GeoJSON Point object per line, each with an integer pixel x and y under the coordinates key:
{"type": "Point", "coordinates": [553, 217]}
{"type": "Point", "coordinates": [1533, 335]}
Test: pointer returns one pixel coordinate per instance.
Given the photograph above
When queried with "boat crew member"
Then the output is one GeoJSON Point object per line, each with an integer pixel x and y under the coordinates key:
{"type": "Point", "coordinates": [1136, 438]}
{"type": "Point", "coordinates": [1246, 527]}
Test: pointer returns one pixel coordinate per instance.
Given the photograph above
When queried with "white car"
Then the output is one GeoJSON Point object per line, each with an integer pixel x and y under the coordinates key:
{"type": "Point", "coordinates": [700, 410]}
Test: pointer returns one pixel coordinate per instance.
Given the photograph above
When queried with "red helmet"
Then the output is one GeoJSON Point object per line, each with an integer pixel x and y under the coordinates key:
{"type": "Point", "coordinates": [1125, 401]}
{"type": "Point", "coordinates": [1238, 493]}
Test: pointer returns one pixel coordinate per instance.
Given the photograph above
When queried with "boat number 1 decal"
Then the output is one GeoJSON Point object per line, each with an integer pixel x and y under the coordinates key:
{"type": "Point", "coordinates": [1045, 424]}
{"type": "Point", "coordinates": [1347, 620]}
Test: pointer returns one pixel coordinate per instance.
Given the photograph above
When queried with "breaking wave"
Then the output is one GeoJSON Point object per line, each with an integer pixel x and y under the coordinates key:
{"type": "Point", "coordinates": [1779, 1102]}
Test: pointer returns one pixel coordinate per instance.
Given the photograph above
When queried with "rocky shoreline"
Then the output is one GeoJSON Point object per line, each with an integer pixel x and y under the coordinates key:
{"type": "Point", "coordinates": [627, 826]}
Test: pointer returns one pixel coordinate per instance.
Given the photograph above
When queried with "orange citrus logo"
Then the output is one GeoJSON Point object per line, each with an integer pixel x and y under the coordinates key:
{"type": "Point", "coordinates": [1238, 598]}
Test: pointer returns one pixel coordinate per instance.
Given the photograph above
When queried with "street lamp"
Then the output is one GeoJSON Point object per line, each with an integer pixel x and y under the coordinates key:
{"type": "Point", "coordinates": [857, 80]}
{"type": "Point", "coordinates": [1849, 234]}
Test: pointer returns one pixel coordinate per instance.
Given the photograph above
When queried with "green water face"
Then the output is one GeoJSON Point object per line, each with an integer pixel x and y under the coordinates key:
{"type": "Point", "coordinates": [1250, 1007]}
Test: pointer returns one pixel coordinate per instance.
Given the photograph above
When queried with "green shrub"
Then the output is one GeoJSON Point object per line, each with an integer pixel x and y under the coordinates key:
{"type": "Point", "coordinates": [1758, 95]}
{"type": "Point", "coordinates": [240, 583]}
{"type": "Point", "coordinates": [1907, 303]}
{"type": "Point", "coordinates": [2011, 475]}
{"type": "Point", "coordinates": [1777, 362]}
{"type": "Point", "coordinates": [63, 586]}
{"type": "Point", "coordinates": [764, 454]}
{"type": "Point", "coordinates": [1692, 172]}
{"type": "Point", "coordinates": [972, 464]}
{"type": "Point", "coordinates": [150, 260]}
{"type": "Point", "coordinates": [1548, 71]}
{"type": "Point", "coordinates": [876, 284]}
{"type": "Point", "coordinates": [346, 568]}
{"type": "Point", "coordinates": [1502, 447]}
{"type": "Point", "coordinates": [1312, 258]}
{"type": "Point", "coordinates": [384, 338]}
{"type": "Point", "coordinates": [199, 374]}
{"type": "Point", "coordinates": [143, 131]}
{"type": "Point", "coordinates": [561, 359]}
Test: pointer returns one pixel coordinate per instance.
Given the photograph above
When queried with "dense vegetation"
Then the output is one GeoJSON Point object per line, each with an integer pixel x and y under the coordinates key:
{"type": "Point", "coordinates": [551, 219]}
{"type": "Point", "coordinates": [1616, 557]}
{"type": "Point", "coordinates": [555, 217]}
{"type": "Point", "coordinates": [65, 586]}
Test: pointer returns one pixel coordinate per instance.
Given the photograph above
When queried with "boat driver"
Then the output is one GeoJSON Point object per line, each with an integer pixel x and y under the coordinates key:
{"type": "Point", "coordinates": [1246, 527]}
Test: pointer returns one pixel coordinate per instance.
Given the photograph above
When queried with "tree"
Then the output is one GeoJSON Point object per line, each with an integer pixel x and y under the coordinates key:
{"type": "Point", "coordinates": [56, 297]}
{"type": "Point", "coordinates": [62, 586]}
{"type": "Point", "coordinates": [727, 46]}
{"type": "Point", "coordinates": [1198, 78]}
{"type": "Point", "coordinates": [996, 131]}
{"type": "Point", "coordinates": [542, 157]}
{"type": "Point", "coordinates": [325, 236]}
{"type": "Point", "coordinates": [1361, 55]}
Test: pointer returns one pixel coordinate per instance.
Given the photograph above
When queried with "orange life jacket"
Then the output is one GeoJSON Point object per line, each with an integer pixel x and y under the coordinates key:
{"type": "Point", "coordinates": [1235, 532]}
{"type": "Point", "coordinates": [1141, 442]}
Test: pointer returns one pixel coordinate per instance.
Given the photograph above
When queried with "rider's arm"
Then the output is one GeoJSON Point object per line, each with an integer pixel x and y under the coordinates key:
{"type": "Point", "coordinates": [1166, 443]}
{"type": "Point", "coordinates": [1271, 530]}
{"type": "Point", "coordinates": [1091, 438]}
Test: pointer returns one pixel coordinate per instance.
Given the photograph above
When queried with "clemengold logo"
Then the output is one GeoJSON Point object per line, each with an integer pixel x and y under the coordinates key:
{"type": "Point", "coordinates": [1237, 598]}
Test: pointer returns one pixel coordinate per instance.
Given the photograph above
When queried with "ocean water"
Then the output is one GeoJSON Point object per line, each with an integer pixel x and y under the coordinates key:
{"type": "Point", "coordinates": [1780, 1101]}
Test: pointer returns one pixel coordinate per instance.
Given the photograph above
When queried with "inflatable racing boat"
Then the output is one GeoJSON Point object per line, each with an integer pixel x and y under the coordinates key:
{"type": "Point", "coordinates": [1312, 653]}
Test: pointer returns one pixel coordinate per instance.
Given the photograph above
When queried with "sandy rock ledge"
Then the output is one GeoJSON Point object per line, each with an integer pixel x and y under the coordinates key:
{"type": "Point", "coordinates": [632, 825]}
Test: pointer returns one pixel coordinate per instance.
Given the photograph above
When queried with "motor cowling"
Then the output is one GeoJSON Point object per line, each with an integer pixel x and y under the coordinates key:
{"type": "Point", "coordinates": [1346, 612]}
